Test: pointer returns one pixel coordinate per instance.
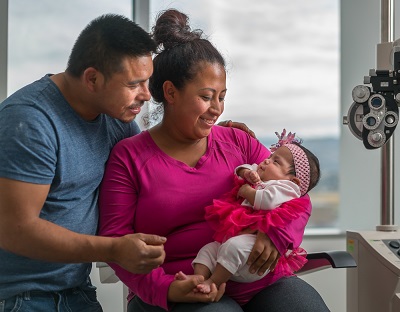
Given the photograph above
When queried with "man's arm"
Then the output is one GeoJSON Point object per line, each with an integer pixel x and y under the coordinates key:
{"type": "Point", "coordinates": [23, 232]}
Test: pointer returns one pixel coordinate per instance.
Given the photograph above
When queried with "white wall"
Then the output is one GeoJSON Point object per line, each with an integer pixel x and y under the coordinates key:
{"type": "Point", "coordinates": [359, 179]}
{"type": "Point", "coordinates": [111, 296]}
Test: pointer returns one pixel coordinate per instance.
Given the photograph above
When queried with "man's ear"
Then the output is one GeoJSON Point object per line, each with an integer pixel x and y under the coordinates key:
{"type": "Point", "coordinates": [296, 180]}
{"type": "Point", "coordinates": [169, 91]}
{"type": "Point", "coordinates": [91, 78]}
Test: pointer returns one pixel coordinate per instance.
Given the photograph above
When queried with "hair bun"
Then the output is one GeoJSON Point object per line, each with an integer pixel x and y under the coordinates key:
{"type": "Point", "coordinates": [172, 28]}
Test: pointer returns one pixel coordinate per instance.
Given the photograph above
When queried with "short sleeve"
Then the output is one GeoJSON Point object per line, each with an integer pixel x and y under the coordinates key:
{"type": "Point", "coordinates": [28, 145]}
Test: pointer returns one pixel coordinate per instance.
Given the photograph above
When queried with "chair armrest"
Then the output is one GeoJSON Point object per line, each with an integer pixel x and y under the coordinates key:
{"type": "Point", "coordinates": [106, 273]}
{"type": "Point", "coordinates": [327, 259]}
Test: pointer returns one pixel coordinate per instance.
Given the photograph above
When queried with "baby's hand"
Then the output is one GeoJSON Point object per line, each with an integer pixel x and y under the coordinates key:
{"type": "Point", "coordinates": [252, 176]}
{"type": "Point", "coordinates": [243, 189]}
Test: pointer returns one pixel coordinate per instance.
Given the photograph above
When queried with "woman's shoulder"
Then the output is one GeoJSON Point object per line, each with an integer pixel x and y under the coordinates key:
{"type": "Point", "coordinates": [135, 142]}
{"type": "Point", "coordinates": [235, 141]}
{"type": "Point", "coordinates": [137, 138]}
{"type": "Point", "coordinates": [234, 136]}
{"type": "Point", "coordinates": [135, 150]}
{"type": "Point", "coordinates": [229, 133]}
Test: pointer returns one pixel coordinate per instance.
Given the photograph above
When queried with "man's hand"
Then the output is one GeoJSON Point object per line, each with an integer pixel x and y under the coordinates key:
{"type": "Point", "coordinates": [238, 125]}
{"type": "Point", "coordinates": [263, 256]}
{"type": "Point", "coordinates": [139, 253]}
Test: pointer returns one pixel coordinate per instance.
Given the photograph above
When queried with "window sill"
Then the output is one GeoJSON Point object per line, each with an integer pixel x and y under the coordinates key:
{"type": "Point", "coordinates": [325, 232]}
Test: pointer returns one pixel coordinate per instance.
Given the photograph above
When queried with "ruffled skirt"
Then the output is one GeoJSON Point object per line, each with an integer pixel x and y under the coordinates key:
{"type": "Point", "coordinates": [228, 218]}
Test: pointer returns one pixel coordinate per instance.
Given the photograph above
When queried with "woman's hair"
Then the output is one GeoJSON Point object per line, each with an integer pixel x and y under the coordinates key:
{"type": "Point", "coordinates": [315, 172]}
{"type": "Point", "coordinates": [105, 42]}
{"type": "Point", "coordinates": [181, 52]}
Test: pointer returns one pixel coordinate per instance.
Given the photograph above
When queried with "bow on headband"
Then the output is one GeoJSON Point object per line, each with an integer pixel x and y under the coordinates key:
{"type": "Point", "coordinates": [285, 139]}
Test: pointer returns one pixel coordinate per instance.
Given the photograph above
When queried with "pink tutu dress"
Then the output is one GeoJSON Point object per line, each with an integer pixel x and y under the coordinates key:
{"type": "Point", "coordinates": [228, 218]}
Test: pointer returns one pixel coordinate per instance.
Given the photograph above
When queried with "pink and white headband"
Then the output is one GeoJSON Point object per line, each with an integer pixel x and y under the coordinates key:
{"type": "Point", "coordinates": [301, 165]}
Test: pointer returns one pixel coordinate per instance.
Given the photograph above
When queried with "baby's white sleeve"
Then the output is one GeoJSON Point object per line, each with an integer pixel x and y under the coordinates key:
{"type": "Point", "coordinates": [247, 166]}
{"type": "Point", "coordinates": [272, 194]}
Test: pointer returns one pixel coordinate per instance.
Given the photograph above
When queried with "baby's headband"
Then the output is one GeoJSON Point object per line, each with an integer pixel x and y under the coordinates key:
{"type": "Point", "coordinates": [301, 165]}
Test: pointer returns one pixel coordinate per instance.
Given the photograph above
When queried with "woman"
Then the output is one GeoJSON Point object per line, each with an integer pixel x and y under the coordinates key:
{"type": "Point", "coordinates": [160, 181]}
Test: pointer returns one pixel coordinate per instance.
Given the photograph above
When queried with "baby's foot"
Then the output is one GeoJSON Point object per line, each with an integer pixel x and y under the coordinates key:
{"type": "Point", "coordinates": [205, 287]}
{"type": "Point", "coordinates": [180, 276]}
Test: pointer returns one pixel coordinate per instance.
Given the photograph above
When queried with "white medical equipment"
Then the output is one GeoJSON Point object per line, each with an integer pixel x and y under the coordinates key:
{"type": "Point", "coordinates": [374, 286]}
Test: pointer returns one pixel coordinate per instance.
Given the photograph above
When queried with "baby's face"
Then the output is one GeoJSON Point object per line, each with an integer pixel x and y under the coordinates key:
{"type": "Point", "coordinates": [277, 166]}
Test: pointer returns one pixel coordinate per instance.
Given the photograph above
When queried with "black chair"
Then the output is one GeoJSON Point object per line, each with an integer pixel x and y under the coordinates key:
{"type": "Point", "coordinates": [336, 259]}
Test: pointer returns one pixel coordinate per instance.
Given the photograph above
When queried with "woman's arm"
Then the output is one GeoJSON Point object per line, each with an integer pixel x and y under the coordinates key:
{"type": "Point", "coordinates": [290, 235]}
{"type": "Point", "coordinates": [247, 192]}
{"type": "Point", "coordinates": [117, 202]}
{"type": "Point", "coordinates": [285, 234]}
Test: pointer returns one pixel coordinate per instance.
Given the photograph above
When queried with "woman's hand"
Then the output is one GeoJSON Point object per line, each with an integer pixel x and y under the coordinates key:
{"type": "Point", "coordinates": [263, 256]}
{"type": "Point", "coordinates": [185, 290]}
{"type": "Point", "coordinates": [242, 190]}
{"type": "Point", "coordinates": [247, 192]}
{"type": "Point", "coordinates": [238, 125]}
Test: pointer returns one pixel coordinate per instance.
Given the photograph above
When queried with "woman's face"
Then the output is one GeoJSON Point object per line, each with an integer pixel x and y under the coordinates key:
{"type": "Point", "coordinates": [199, 104]}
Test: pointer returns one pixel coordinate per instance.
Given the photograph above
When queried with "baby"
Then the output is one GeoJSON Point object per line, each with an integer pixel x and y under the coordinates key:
{"type": "Point", "coordinates": [290, 172]}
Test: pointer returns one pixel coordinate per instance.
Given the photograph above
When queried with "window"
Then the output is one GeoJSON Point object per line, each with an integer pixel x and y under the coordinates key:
{"type": "Point", "coordinates": [283, 72]}
{"type": "Point", "coordinates": [41, 34]}
{"type": "Point", "coordinates": [283, 65]}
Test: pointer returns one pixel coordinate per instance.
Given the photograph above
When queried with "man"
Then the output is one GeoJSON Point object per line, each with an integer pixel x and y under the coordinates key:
{"type": "Point", "coordinates": [55, 137]}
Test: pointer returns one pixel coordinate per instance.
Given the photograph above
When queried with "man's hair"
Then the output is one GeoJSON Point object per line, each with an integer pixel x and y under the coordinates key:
{"type": "Point", "coordinates": [105, 42]}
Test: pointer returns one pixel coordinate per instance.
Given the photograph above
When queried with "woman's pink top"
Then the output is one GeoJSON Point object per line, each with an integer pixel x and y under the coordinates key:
{"type": "Point", "coordinates": [146, 191]}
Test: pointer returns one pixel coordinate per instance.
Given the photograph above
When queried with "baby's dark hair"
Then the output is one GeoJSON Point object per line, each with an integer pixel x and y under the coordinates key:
{"type": "Point", "coordinates": [315, 172]}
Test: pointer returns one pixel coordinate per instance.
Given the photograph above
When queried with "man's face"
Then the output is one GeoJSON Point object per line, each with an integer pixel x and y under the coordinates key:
{"type": "Point", "coordinates": [125, 92]}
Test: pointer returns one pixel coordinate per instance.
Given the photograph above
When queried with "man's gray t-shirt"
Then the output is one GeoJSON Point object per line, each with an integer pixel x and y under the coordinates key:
{"type": "Point", "coordinates": [44, 141]}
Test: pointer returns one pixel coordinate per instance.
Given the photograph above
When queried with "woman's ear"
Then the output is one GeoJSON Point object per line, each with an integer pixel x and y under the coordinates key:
{"type": "Point", "coordinates": [296, 180]}
{"type": "Point", "coordinates": [169, 91]}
